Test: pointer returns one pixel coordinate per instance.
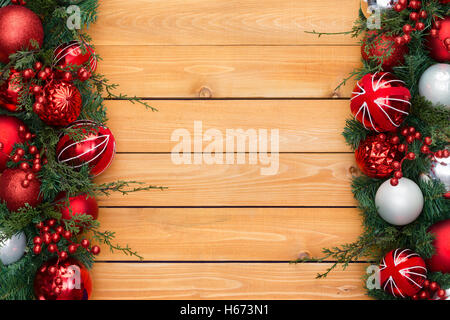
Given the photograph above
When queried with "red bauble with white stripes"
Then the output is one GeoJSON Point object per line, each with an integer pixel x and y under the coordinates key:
{"type": "Point", "coordinates": [75, 53]}
{"type": "Point", "coordinates": [96, 147]}
{"type": "Point", "coordinates": [402, 273]}
{"type": "Point", "coordinates": [380, 102]}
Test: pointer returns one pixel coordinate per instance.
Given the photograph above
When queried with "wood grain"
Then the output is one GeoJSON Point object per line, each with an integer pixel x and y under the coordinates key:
{"type": "Point", "coordinates": [232, 22]}
{"type": "Point", "coordinates": [225, 281]}
{"type": "Point", "coordinates": [302, 180]}
{"type": "Point", "coordinates": [229, 71]}
{"type": "Point", "coordinates": [304, 125]}
{"type": "Point", "coordinates": [236, 234]}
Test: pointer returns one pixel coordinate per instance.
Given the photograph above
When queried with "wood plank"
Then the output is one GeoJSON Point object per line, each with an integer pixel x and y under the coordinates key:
{"type": "Point", "coordinates": [233, 234]}
{"type": "Point", "coordinates": [302, 180]}
{"type": "Point", "coordinates": [304, 125]}
{"type": "Point", "coordinates": [216, 22]}
{"type": "Point", "coordinates": [223, 72]}
{"type": "Point", "coordinates": [225, 281]}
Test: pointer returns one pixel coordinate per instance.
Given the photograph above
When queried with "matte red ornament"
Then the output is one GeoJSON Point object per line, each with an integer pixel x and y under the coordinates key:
{"type": "Point", "coordinates": [402, 273]}
{"type": "Point", "coordinates": [14, 194]}
{"type": "Point", "coordinates": [67, 280]}
{"type": "Point", "coordinates": [81, 204]}
{"type": "Point", "coordinates": [18, 25]}
{"type": "Point", "coordinates": [71, 54]}
{"type": "Point", "coordinates": [436, 45]}
{"type": "Point", "coordinates": [9, 91]}
{"type": "Point", "coordinates": [96, 149]}
{"type": "Point", "coordinates": [9, 137]}
{"type": "Point", "coordinates": [440, 261]}
{"type": "Point", "coordinates": [380, 102]}
{"type": "Point", "coordinates": [375, 156]}
{"type": "Point", "coordinates": [63, 104]}
{"type": "Point", "coordinates": [379, 46]}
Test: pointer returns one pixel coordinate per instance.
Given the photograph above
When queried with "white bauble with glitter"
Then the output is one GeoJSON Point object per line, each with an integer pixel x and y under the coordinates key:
{"type": "Point", "coordinates": [434, 84]}
{"type": "Point", "coordinates": [12, 249]}
{"type": "Point", "coordinates": [440, 170]}
{"type": "Point", "coordinates": [399, 205]}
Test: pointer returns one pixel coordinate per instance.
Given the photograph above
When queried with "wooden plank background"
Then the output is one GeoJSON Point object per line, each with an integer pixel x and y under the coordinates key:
{"type": "Point", "coordinates": [226, 231]}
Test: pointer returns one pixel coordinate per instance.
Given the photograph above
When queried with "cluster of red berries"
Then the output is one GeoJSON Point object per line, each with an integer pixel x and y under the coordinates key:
{"type": "Point", "coordinates": [19, 2]}
{"type": "Point", "coordinates": [51, 233]}
{"type": "Point", "coordinates": [429, 290]}
{"type": "Point", "coordinates": [434, 32]}
{"type": "Point", "coordinates": [23, 157]}
{"type": "Point", "coordinates": [415, 16]}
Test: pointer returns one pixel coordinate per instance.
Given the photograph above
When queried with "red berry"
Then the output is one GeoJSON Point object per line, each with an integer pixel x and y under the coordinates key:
{"type": "Point", "coordinates": [417, 136]}
{"type": "Point", "coordinates": [395, 165]}
{"type": "Point", "coordinates": [40, 225]}
{"type": "Point", "coordinates": [401, 148]}
{"type": "Point", "coordinates": [59, 229]}
{"type": "Point", "coordinates": [395, 140]}
{"type": "Point", "coordinates": [415, 297]}
{"type": "Point", "coordinates": [95, 250]}
{"type": "Point", "coordinates": [52, 248]}
{"type": "Point", "coordinates": [441, 293]}
{"type": "Point", "coordinates": [407, 28]}
{"type": "Point", "coordinates": [25, 183]}
{"type": "Point", "coordinates": [398, 175]}
{"type": "Point", "coordinates": [411, 156]}
{"type": "Point", "coordinates": [394, 182]}
{"type": "Point", "coordinates": [72, 248]}
{"type": "Point", "coordinates": [414, 16]}
{"type": "Point", "coordinates": [399, 40]}
{"type": "Point", "coordinates": [51, 222]}
{"type": "Point", "coordinates": [398, 7]}
{"type": "Point", "coordinates": [33, 150]}
{"type": "Point", "coordinates": [47, 238]}
{"type": "Point", "coordinates": [63, 255]}
{"type": "Point", "coordinates": [36, 89]}
{"type": "Point", "coordinates": [437, 24]}
{"type": "Point", "coordinates": [30, 176]}
{"type": "Point", "coordinates": [425, 149]}
{"type": "Point", "coordinates": [423, 14]}
{"type": "Point", "coordinates": [420, 26]}
{"type": "Point", "coordinates": [42, 75]}
{"type": "Point", "coordinates": [426, 283]}
{"type": "Point", "coordinates": [423, 295]}
{"type": "Point", "coordinates": [56, 237]}
{"type": "Point", "coordinates": [404, 132]}
{"type": "Point", "coordinates": [434, 286]}
{"type": "Point", "coordinates": [439, 154]}
{"type": "Point", "coordinates": [410, 139]}
{"type": "Point", "coordinates": [37, 167]}
{"type": "Point", "coordinates": [37, 249]}
{"type": "Point", "coordinates": [67, 234]}
{"type": "Point", "coordinates": [85, 243]}
{"type": "Point", "coordinates": [407, 38]}
{"type": "Point", "coordinates": [382, 137]}
{"type": "Point", "coordinates": [37, 240]}
{"type": "Point", "coordinates": [45, 229]}
{"type": "Point", "coordinates": [52, 270]}
{"type": "Point", "coordinates": [28, 74]}
{"type": "Point", "coordinates": [25, 166]}
{"type": "Point", "coordinates": [38, 66]}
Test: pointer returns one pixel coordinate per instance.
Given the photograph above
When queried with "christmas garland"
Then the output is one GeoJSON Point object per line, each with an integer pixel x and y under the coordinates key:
{"type": "Point", "coordinates": [400, 132]}
{"type": "Point", "coordinates": [53, 142]}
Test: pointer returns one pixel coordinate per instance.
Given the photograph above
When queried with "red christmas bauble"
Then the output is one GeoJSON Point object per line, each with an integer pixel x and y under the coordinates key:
{"type": "Point", "coordinates": [9, 137]}
{"type": "Point", "coordinates": [14, 194]}
{"type": "Point", "coordinates": [18, 25]}
{"type": "Point", "coordinates": [81, 204]}
{"type": "Point", "coordinates": [440, 262]}
{"type": "Point", "coordinates": [375, 155]}
{"type": "Point", "coordinates": [63, 104]}
{"type": "Point", "coordinates": [402, 273]}
{"type": "Point", "coordinates": [380, 102]}
{"type": "Point", "coordinates": [379, 46]}
{"type": "Point", "coordinates": [72, 54]}
{"type": "Point", "coordinates": [436, 45]}
{"type": "Point", "coordinates": [68, 280]}
{"type": "Point", "coordinates": [9, 91]}
{"type": "Point", "coordinates": [96, 149]}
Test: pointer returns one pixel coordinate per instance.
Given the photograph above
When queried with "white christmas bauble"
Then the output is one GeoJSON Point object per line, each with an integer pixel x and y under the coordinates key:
{"type": "Point", "coordinates": [12, 250]}
{"type": "Point", "coordinates": [440, 170]}
{"type": "Point", "coordinates": [399, 205]}
{"type": "Point", "coordinates": [368, 7]}
{"type": "Point", "coordinates": [434, 84]}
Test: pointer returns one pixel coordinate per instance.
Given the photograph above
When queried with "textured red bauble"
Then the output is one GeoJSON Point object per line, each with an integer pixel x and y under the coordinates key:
{"type": "Point", "coordinates": [81, 204]}
{"type": "Point", "coordinates": [9, 137]}
{"type": "Point", "coordinates": [9, 91]}
{"type": "Point", "coordinates": [18, 25]}
{"type": "Point", "coordinates": [97, 148]}
{"type": "Point", "coordinates": [63, 104]}
{"type": "Point", "coordinates": [378, 46]}
{"type": "Point", "coordinates": [436, 44]}
{"type": "Point", "coordinates": [68, 280]}
{"type": "Point", "coordinates": [375, 156]}
{"type": "Point", "coordinates": [14, 194]}
{"type": "Point", "coordinates": [380, 102]}
{"type": "Point", "coordinates": [440, 262]}
{"type": "Point", "coordinates": [402, 273]}
{"type": "Point", "coordinates": [71, 54]}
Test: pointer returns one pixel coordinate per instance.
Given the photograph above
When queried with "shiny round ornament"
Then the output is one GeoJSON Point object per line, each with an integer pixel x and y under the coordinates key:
{"type": "Point", "coordinates": [434, 84]}
{"type": "Point", "coordinates": [399, 205]}
{"type": "Point", "coordinates": [18, 26]}
{"type": "Point", "coordinates": [96, 149]}
{"type": "Point", "coordinates": [68, 280]}
{"type": "Point", "coordinates": [440, 261]}
{"type": "Point", "coordinates": [14, 194]}
{"type": "Point", "coordinates": [75, 53]}
{"type": "Point", "coordinates": [380, 102]}
{"type": "Point", "coordinates": [63, 104]}
{"type": "Point", "coordinates": [375, 155]}
{"type": "Point", "coordinates": [384, 49]}
{"type": "Point", "coordinates": [9, 137]}
{"type": "Point", "coordinates": [81, 204]}
{"type": "Point", "coordinates": [13, 249]}
{"type": "Point", "coordinates": [368, 7]}
{"type": "Point", "coordinates": [9, 91]}
{"type": "Point", "coordinates": [440, 170]}
{"type": "Point", "coordinates": [402, 273]}
{"type": "Point", "coordinates": [436, 45]}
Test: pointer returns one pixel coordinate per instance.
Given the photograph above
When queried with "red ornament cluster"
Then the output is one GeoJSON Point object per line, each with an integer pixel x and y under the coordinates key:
{"type": "Point", "coordinates": [430, 290]}
{"type": "Point", "coordinates": [51, 233]}
{"type": "Point", "coordinates": [416, 16]}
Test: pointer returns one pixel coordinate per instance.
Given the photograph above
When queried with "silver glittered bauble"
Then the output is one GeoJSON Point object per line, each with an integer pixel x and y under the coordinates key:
{"type": "Point", "coordinates": [12, 250]}
{"type": "Point", "coordinates": [368, 7]}
{"type": "Point", "coordinates": [440, 170]}
{"type": "Point", "coordinates": [399, 205]}
{"type": "Point", "coordinates": [435, 84]}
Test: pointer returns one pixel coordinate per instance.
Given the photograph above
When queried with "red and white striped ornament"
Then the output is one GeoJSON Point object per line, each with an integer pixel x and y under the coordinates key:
{"type": "Point", "coordinates": [402, 273]}
{"type": "Point", "coordinates": [380, 102]}
{"type": "Point", "coordinates": [75, 53]}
